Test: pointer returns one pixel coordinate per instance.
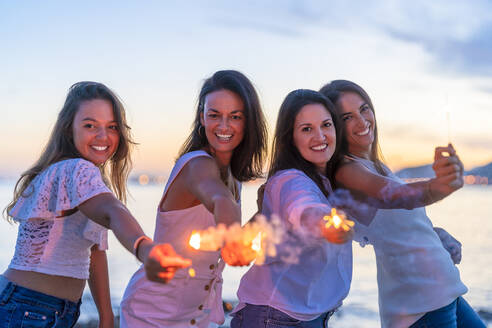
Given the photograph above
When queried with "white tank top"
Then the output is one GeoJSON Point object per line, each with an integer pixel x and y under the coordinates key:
{"type": "Point", "coordinates": [415, 273]}
{"type": "Point", "coordinates": [184, 301]}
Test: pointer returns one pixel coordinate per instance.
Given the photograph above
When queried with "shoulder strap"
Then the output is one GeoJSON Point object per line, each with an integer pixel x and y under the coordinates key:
{"type": "Point", "coordinates": [180, 163]}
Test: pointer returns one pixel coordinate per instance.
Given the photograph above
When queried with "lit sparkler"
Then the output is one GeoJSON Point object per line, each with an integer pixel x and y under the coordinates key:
{"type": "Point", "coordinates": [336, 227]}
{"type": "Point", "coordinates": [239, 246]}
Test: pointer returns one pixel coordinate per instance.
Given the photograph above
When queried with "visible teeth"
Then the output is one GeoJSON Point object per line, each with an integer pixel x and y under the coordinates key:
{"type": "Point", "coordinates": [224, 136]}
{"type": "Point", "coordinates": [320, 147]}
{"type": "Point", "coordinates": [363, 133]}
{"type": "Point", "coordinates": [100, 147]}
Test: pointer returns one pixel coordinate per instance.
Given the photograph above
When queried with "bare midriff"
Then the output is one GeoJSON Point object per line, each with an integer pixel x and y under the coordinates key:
{"type": "Point", "coordinates": [59, 286]}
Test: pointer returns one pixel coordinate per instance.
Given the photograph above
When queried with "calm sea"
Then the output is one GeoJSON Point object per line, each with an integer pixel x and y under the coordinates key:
{"type": "Point", "coordinates": [467, 214]}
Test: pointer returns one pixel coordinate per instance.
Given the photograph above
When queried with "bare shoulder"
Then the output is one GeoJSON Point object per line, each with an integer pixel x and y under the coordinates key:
{"type": "Point", "coordinates": [349, 168]}
{"type": "Point", "coordinates": [354, 175]}
{"type": "Point", "coordinates": [181, 193]}
{"type": "Point", "coordinates": [200, 168]}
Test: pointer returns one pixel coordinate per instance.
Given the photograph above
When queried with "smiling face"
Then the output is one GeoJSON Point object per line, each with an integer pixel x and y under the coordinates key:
{"type": "Point", "coordinates": [359, 123]}
{"type": "Point", "coordinates": [315, 135]}
{"type": "Point", "coordinates": [224, 121]}
{"type": "Point", "coordinates": [95, 131]}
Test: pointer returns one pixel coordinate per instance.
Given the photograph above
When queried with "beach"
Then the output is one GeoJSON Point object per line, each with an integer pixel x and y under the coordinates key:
{"type": "Point", "coordinates": [465, 214]}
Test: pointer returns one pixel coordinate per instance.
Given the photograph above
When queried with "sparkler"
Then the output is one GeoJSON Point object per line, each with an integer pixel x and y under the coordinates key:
{"type": "Point", "coordinates": [448, 121]}
{"type": "Point", "coordinates": [336, 227]}
{"type": "Point", "coordinates": [239, 245]}
{"type": "Point", "coordinates": [195, 240]}
{"type": "Point", "coordinates": [449, 129]}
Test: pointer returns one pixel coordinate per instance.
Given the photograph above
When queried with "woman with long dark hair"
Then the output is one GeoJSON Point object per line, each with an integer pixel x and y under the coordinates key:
{"type": "Point", "coordinates": [226, 147]}
{"type": "Point", "coordinates": [418, 283]}
{"type": "Point", "coordinates": [309, 277]}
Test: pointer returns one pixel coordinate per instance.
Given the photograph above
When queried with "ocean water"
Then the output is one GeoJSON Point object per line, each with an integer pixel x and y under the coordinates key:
{"type": "Point", "coordinates": [466, 214]}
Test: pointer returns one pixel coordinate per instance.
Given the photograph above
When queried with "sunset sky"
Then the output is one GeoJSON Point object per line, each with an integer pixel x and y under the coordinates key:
{"type": "Point", "coordinates": [418, 61]}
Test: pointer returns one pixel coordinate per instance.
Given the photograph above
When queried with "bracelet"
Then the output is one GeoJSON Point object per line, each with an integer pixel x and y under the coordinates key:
{"type": "Point", "coordinates": [137, 243]}
{"type": "Point", "coordinates": [428, 192]}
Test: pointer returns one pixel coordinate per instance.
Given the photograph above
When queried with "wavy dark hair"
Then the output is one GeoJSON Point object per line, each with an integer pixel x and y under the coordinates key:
{"type": "Point", "coordinates": [334, 91]}
{"type": "Point", "coordinates": [284, 153]}
{"type": "Point", "coordinates": [61, 146]}
{"type": "Point", "coordinates": [247, 159]}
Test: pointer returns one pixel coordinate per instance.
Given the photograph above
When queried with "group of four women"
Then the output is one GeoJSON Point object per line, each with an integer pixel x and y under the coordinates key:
{"type": "Point", "coordinates": [323, 140]}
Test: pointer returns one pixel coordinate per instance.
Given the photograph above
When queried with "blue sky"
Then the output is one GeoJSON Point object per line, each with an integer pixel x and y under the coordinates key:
{"type": "Point", "coordinates": [418, 60]}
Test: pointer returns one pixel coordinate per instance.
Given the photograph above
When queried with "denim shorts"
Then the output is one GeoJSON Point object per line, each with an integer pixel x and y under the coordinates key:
{"type": "Point", "coordinates": [458, 314]}
{"type": "Point", "coordinates": [263, 316]}
{"type": "Point", "coordinates": [24, 307]}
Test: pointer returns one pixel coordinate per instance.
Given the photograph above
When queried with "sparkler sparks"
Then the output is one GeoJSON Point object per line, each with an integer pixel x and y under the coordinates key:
{"type": "Point", "coordinates": [336, 227]}
{"type": "Point", "coordinates": [195, 240]}
{"type": "Point", "coordinates": [240, 245]}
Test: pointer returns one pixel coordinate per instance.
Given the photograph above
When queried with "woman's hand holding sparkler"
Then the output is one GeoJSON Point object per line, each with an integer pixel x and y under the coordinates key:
{"type": "Point", "coordinates": [336, 228]}
{"type": "Point", "coordinates": [235, 243]}
{"type": "Point", "coordinates": [239, 246]}
{"type": "Point", "coordinates": [237, 253]}
{"type": "Point", "coordinates": [161, 261]}
{"type": "Point", "coordinates": [333, 227]}
{"type": "Point", "coordinates": [449, 172]}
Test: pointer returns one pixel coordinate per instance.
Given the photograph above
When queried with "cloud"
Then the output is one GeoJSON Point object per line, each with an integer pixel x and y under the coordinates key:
{"type": "Point", "coordinates": [458, 35]}
{"type": "Point", "coordinates": [477, 142]}
{"type": "Point", "coordinates": [408, 132]}
{"type": "Point", "coordinates": [470, 56]}
{"type": "Point", "coordinates": [270, 28]}
{"type": "Point", "coordinates": [485, 89]}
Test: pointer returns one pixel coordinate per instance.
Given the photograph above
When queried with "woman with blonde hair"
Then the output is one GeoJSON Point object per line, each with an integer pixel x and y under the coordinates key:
{"type": "Point", "coordinates": [64, 205]}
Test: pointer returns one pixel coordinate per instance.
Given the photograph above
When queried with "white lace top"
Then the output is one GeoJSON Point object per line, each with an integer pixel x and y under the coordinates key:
{"type": "Point", "coordinates": [47, 241]}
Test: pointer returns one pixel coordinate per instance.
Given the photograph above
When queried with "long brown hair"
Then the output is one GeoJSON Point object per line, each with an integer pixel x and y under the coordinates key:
{"type": "Point", "coordinates": [247, 159]}
{"type": "Point", "coordinates": [284, 153]}
{"type": "Point", "coordinates": [60, 145]}
{"type": "Point", "coordinates": [334, 91]}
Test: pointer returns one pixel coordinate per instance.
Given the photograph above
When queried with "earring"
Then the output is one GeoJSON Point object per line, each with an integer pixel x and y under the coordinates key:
{"type": "Point", "coordinates": [200, 134]}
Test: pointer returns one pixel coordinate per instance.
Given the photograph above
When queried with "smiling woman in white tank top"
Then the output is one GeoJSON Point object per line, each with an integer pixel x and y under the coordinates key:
{"type": "Point", "coordinates": [418, 283]}
{"type": "Point", "coordinates": [226, 147]}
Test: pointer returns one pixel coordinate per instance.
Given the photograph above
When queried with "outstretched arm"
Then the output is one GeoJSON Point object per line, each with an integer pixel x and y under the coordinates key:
{"type": "Point", "coordinates": [159, 260]}
{"type": "Point", "coordinates": [99, 286]}
{"type": "Point", "coordinates": [202, 177]}
{"type": "Point", "coordinates": [304, 206]}
{"type": "Point", "coordinates": [382, 192]}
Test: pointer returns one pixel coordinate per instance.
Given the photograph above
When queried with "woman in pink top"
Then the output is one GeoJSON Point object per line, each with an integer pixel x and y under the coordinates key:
{"type": "Point", "coordinates": [225, 147]}
{"type": "Point", "coordinates": [309, 277]}
{"type": "Point", "coordinates": [64, 204]}
{"type": "Point", "coordinates": [419, 286]}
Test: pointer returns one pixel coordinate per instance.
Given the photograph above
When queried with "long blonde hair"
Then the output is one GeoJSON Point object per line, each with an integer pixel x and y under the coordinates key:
{"type": "Point", "coordinates": [60, 145]}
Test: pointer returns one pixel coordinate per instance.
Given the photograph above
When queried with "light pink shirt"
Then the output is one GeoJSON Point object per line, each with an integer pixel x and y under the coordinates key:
{"type": "Point", "coordinates": [184, 301]}
{"type": "Point", "coordinates": [321, 278]}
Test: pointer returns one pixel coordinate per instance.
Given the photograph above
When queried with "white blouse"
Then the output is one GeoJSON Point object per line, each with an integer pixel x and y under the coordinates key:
{"type": "Point", "coordinates": [308, 277]}
{"type": "Point", "coordinates": [48, 242]}
{"type": "Point", "coordinates": [415, 273]}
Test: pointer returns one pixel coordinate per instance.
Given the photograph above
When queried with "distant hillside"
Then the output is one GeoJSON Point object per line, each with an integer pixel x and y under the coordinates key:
{"type": "Point", "coordinates": [484, 171]}
{"type": "Point", "coordinates": [425, 171]}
